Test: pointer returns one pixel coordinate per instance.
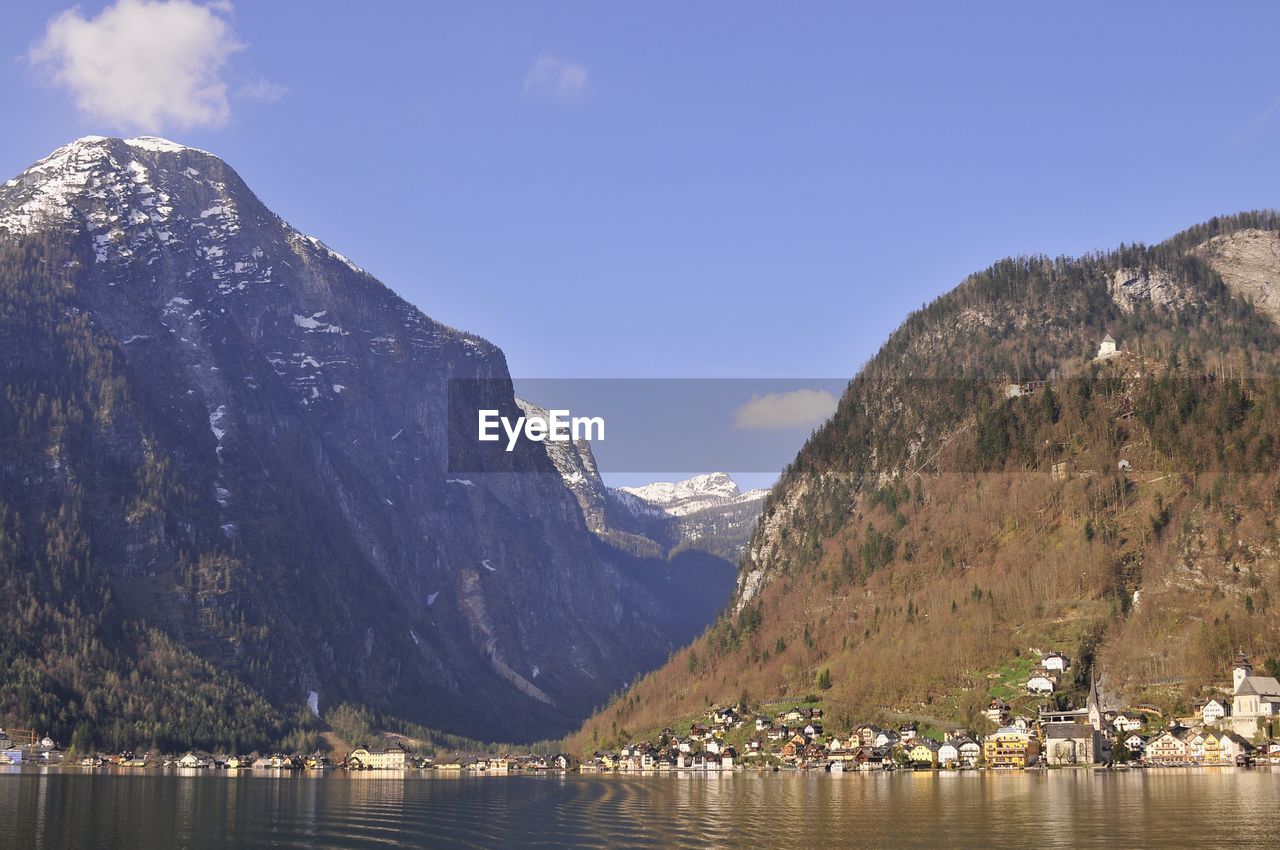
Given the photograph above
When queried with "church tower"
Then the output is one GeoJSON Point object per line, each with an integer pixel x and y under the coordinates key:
{"type": "Point", "coordinates": [1240, 671]}
{"type": "Point", "coordinates": [1094, 704]}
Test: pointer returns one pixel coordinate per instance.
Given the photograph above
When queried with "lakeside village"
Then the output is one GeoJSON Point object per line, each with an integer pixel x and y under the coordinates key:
{"type": "Point", "coordinates": [1232, 729]}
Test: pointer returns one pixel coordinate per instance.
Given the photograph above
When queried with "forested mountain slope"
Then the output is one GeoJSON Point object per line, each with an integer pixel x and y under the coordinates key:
{"type": "Point", "coordinates": [920, 542]}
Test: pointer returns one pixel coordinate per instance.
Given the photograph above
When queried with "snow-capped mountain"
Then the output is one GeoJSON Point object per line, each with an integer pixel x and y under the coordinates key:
{"type": "Point", "coordinates": [260, 454]}
{"type": "Point", "coordinates": [706, 513]}
{"type": "Point", "coordinates": [700, 492]}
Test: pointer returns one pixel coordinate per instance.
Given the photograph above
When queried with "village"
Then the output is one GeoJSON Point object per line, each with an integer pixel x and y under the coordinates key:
{"type": "Point", "coordinates": [1232, 728]}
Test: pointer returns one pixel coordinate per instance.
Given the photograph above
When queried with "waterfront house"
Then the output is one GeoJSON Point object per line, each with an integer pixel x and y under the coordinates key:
{"type": "Point", "coordinates": [923, 753]}
{"type": "Point", "coordinates": [1010, 746]}
{"type": "Point", "coordinates": [393, 757]}
{"type": "Point", "coordinates": [1223, 748]}
{"type": "Point", "coordinates": [1166, 748]}
{"type": "Point", "coordinates": [970, 752]}
{"type": "Point", "coordinates": [949, 753]}
{"type": "Point", "coordinates": [1195, 745]}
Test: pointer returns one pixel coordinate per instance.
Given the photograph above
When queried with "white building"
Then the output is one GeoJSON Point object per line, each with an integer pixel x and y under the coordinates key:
{"type": "Point", "coordinates": [1254, 698]}
{"type": "Point", "coordinates": [1107, 348]}
{"type": "Point", "coordinates": [1054, 661]}
{"type": "Point", "coordinates": [1213, 711]}
{"type": "Point", "coordinates": [1039, 684]}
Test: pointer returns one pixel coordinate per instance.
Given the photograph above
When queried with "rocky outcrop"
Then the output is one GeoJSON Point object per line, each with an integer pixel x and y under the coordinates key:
{"type": "Point", "coordinates": [1249, 263]}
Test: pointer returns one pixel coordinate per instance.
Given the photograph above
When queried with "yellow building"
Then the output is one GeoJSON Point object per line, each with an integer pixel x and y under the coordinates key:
{"type": "Point", "coordinates": [1010, 746]}
{"type": "Point", "coordinates": [924, 753]}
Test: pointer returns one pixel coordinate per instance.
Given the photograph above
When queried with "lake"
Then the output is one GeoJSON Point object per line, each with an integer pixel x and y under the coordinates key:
{"type": "Point", "coordinates": [75, 808]}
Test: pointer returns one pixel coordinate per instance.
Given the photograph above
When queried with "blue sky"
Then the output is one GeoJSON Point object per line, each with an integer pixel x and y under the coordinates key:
{"type": "Point", "coordinates": [710, 189]}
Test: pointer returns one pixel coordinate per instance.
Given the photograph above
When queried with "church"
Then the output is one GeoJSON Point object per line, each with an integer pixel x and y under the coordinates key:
{"type": "Point", "coordinates": [1254, 698]}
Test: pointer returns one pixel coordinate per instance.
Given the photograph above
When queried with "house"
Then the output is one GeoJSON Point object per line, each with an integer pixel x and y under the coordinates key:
{"type": "Point", "coordinates": [886, 738]}
{"type": "Point", "coordinates": [923, 753]}
{"type": "Point", "coordinates": [1040, 683]}
{"type": "Point", "coordinates": [1222, 748]}
{"type": "Point", "coordinates": [1168, 747]}
{"type": "Point", "coordinates": [1107, 349]}
{"type": "Point", "coordinates": [193, 760]}
{"type": "Point", "coordinates": [1010, 746]}
{"type": "Point", "coordinates": [728, 756]}
{"type": "Point", "coordinates": [949, 753]}
{"type": "Point", "coordinates": [970, 752]}
{"type": "Point", "coordinates": [1254, 698]}
{"type": "Point", "coordinates": [1070, 743]}
{"type": "Point", "coordinates": [997, 711]}
{"type": "Point", "coordinates": [1127, 722]}
{"type": "Point", "coordinates": [907, 732]}
{"type": "Point", "coordinates": [1135, 744]}
{"type": "Point", "coordinates": [393, 757]}
{"type": "Point", "coordinates": [1212, 710]}
{"type": "Point", "coordinates": [1054, 661]}
{"type": "Point", "coordinates": [866, 734]}
{"type": "Point", "coordinates": [1195, 744]}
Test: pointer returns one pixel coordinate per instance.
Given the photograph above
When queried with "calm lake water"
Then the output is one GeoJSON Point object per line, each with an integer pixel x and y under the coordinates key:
{"type": "Point", "coordinates": [72, 808]}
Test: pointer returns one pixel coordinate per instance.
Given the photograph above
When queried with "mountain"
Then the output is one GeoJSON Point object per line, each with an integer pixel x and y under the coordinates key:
{"type": "Point", "coordinates": [995, 484]}
{"type": "Point", "coordinates": [227, 488]}
{"type": "Point", "coordinates": [706, 513]}
{"type": "Point", "coordinates": [694, 494]}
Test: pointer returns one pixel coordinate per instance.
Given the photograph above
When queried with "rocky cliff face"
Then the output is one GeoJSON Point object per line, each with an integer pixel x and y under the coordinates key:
{"type": "Point", "coordinates": [295, 409]}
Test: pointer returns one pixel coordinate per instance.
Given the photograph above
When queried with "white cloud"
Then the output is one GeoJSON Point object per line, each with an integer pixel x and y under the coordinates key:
{"type": "Point", "coordinates": [785, 410]}
{"type": "Point", "coordinates": [143, 64]}
{"type": "Point", "coordinates": [263, 90]}
{"type": "Point", "coordinates": [552, 76]}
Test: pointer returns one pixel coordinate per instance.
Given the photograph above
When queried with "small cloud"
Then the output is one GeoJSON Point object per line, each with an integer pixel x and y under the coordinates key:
{"type": "Point", "coordinates": [785, 410]}
{"type": "Point", "coordinates": [552, 76]}
{"type": "Point", "coordinates": [143, 64]}
{"type": "Point", "coordinates": [262, 90]}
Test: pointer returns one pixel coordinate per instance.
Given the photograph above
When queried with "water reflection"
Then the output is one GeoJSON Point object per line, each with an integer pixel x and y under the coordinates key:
{"type": "Point", "coordinates": [67, 807]}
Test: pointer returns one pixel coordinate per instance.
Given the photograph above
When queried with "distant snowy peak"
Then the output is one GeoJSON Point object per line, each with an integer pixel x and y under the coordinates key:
{"type": "Point", "coordinates": [694, 494]}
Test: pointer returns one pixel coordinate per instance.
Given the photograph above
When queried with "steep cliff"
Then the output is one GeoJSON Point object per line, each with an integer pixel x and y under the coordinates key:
{"type": "Point", "coordinates": [245, 438]}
